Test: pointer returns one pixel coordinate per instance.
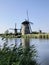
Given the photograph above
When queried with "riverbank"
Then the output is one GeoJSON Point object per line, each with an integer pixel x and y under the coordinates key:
{"type": "Point", "coordinates": [38, 36]}
{"type": "Point", "coordinates": [10, 36]}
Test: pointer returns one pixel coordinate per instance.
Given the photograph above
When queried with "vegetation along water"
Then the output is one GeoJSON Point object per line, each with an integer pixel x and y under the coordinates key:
{"type": "Point", "coordinates": [26, 51]}
{"type": "Point", "coordinates": [17, 55]}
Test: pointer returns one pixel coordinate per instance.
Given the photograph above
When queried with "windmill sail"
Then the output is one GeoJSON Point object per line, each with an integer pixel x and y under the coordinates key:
{"type": "Point", "coordinates": [27, 16]}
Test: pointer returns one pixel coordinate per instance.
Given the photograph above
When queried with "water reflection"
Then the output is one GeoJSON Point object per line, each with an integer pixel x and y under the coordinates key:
{"type": "Point", "coordinates": [25, 42]}
{"type": "Point", "coordinates": [29, 51]}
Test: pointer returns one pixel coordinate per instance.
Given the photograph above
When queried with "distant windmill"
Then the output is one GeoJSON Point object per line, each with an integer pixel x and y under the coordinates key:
{"type": "Point", "coordinates": [14, 29]}
{"type": "Point", "coordinates": [26, 26]}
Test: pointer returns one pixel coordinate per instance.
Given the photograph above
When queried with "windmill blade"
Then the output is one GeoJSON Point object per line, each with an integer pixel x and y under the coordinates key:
{"type": "Point", "coordinates": [30, 28]}
{"type": "Point", "coordinates": [15, 25]}
{"type": "Point", "coordinates": [18, 29]}
{"type": "Point", "coordinates": [11, 29]}
{"type": "Point", "coordinates": [27, 16]}
{"type": "Point", "coordinates": [30, 22]}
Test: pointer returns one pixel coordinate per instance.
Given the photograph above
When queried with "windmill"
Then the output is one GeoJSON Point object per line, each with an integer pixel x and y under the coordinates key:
{"type": "Point", "coordinates": [26, 26]}
{"type": "Point", "coordinates": [15, 29]}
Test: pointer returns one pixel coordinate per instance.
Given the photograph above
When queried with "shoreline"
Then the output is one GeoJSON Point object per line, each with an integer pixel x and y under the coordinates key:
{"type": "Point", "coordinates": [36, 36]}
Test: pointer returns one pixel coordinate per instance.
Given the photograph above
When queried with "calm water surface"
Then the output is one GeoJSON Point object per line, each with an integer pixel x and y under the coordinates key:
{"type": "Point", "coordinates": [41, 45]}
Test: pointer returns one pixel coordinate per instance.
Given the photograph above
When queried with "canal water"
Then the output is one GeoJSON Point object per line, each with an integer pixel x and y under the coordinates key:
{"type": "Point", "coordinates": [41, 45]}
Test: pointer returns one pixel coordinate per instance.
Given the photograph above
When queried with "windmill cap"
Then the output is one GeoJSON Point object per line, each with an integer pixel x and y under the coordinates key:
{"type": "Point", "coordinates": [25, 22]}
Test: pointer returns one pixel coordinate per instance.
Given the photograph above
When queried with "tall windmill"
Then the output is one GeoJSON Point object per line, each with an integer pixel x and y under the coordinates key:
{"type": "Point", "coordinates": [26, 26]}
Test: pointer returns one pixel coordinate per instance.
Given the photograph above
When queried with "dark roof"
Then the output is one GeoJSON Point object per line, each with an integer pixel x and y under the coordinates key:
{"type": "Point", "coordinates": [25, 22]}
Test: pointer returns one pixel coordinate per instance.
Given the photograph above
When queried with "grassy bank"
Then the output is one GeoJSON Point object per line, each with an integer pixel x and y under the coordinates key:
{"type": "Point", "coordinates": [10, 36]}
{"type": "Point", "coordinates": [38, 36]}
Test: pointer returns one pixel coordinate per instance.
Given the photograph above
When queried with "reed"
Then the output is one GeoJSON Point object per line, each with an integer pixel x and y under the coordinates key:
{"type": "Point", "coordinates": [17, 55]}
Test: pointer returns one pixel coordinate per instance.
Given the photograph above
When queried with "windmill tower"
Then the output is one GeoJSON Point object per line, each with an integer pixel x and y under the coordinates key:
{"type": "Point", "coordinates": [26, 27]}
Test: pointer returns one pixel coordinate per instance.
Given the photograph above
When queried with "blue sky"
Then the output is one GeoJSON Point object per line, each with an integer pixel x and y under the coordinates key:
{"type": "Point", "coordinates": [14, 11]}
